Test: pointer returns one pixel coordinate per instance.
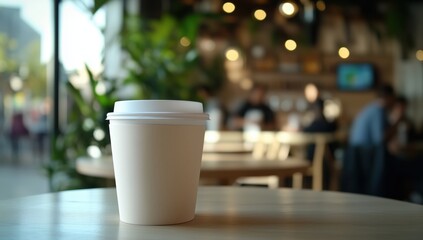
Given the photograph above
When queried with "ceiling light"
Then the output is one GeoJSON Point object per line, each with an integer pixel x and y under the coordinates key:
{"type": "Point", "coordinates": [343, 52]}
{"type": "Point", "coordinates": [232, 55]}
{"type": "Point", "coordinates": [260, 14]}
{"type": "Point", "coordinates": [228, 7]}
{"type": "Point", "coordinates": [290, 45]}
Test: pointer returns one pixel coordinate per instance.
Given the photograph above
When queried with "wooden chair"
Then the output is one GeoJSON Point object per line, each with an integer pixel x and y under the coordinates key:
{"type": "Point", "coordinates": [279, 145]}
{"type": "Point", "coordinates": [288, 140]}
{"type": "Point", "coordinates": [268, 145]}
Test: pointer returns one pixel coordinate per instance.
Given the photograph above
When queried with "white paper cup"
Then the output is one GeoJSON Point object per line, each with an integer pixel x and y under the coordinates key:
{"type": "Point", "coordinates": [157, 159]}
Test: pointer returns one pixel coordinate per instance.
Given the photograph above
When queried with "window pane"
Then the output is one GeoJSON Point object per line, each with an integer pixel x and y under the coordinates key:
{"type": "Point", "coordinates": [25, 50]}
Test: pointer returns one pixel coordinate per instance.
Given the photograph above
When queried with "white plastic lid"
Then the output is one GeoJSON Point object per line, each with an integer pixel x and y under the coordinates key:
{"type": "Point", "coordinates": [200, 116]}
{"type": "Point", "coordinates": [159, 110]}
{"type": "Point", "coordinates": [157, 106]}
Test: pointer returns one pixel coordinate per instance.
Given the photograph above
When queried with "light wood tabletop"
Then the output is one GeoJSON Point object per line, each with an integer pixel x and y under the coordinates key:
{"type": "Point", "coordinates": [221, 213]}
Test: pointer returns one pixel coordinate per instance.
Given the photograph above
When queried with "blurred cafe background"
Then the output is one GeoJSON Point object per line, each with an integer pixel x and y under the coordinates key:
{"type": "Point", "coordinates": [352, 69]}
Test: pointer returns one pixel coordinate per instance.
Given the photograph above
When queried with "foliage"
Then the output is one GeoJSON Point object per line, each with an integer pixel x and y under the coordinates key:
{"type": "Point", "coordinates": [87, 114]}
{"type": "Point", "coordinates": [36, 78]}
{"type": "Point", "coordinates": [6, 63]}
{"type": "Point", "coordinates": [160, 67]}
{"type": "Point", "coordinates": [34, 74]}
{"type": "Point", "coordinates": [157, 71]}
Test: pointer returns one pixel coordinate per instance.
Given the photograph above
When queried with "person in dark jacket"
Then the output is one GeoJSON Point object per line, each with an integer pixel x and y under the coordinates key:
{"type": "Point", "coordinates": [255, 112]}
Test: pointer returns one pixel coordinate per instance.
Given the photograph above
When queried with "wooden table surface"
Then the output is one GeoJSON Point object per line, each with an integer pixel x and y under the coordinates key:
{"type": "Point", "coordinates": [221, 213]}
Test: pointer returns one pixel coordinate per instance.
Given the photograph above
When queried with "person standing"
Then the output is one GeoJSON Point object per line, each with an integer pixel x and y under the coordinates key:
{"type": "Point", "coordinates": [371, 127]}
{"type": "Point", "coordinates": [18, 131]}
{"type": "Point", "coordinates": [366, 166]}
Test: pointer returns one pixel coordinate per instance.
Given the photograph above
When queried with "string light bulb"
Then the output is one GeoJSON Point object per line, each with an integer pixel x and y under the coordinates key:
{"type": "Point", "coordinates": [260, 14]}
{"type": "Point", "coordinates": [232, 55]}
{"type": "Point", "coordinates": [228, 7]}
{"type": "Point", "coordinates": [290, 45]}
{"type": "Point", "coordinates": [343, 52]}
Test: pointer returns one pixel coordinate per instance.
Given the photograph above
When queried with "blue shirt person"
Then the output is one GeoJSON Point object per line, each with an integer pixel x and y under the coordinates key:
{"type": "Point", "coordinates": [366, 167]}
{"type": "Point", "coordinates": [370, 126]}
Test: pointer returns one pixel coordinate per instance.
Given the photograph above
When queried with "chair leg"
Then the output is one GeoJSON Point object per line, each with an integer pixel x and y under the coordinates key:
{"type": "Point", "coordinates": [319, 154]}
{"type": "Point", "coordinates": [297, 181]}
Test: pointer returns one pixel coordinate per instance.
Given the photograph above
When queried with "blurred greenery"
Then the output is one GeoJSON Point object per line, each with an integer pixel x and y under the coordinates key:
{"type": "Point", "coordinates": [162, 62]}
{"type": "Point", "coordinates": [87, 114]}
{"type": "Point", "coordinates": [158, 66]}
{"type": "Point", "coordinates": [7, 64]}
{"type": "Point", "coordinates": [36, 76]}
{"type": "Point", "coordinates": [30, 68]}
{"type": "Point", "coordinates": [162, 56]}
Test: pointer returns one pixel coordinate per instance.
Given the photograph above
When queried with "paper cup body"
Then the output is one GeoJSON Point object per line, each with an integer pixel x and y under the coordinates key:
{"type": "Point", "coordinates": [157, 163]}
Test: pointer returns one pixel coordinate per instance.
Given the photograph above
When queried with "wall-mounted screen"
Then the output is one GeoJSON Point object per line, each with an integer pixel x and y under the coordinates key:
{"type": "Point", "coordinates": [355, 76]}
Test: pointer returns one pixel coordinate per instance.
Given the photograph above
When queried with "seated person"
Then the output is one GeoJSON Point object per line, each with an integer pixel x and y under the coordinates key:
{"type": "Point", "coordinates": [254, 113]}
{"type": "Point", "coordinates": [408, 167]}
{"type": "Point", "coordinates": [319, 124]}
{"type": "Point", "coordinates": [404, 130]}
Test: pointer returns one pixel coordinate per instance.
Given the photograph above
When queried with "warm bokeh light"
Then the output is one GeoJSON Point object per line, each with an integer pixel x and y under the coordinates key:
{"type": "Point", "coordinates": [343, 52]}
{"type": "Point", "coordinates": [311, 92]}
{"type": "Point", "coordinates": [206, 44]}
{"type": "Point", "coordinates": [232, 55]}
{"type": "Point", "coordinates": [419, 55]}
{"type": "Point", "coordinates": [246, 84]}
{"type": "Point", "coordinates": [321, 5]}
{"type": "Point", "coordinates": [260, 14]}
{"type": "Point", "coordinates": [228, 7]}
{"type": "Point", "coordinates": [234, 65]}
{"type": "Point", "coordinates": [290, 45]}
{"type": "Point", "coordinates": [235, 76]}
{"type": "Point", "coordinates": [287, 8]}
{"type": "Point", "coordinates": [185, 42]}
{"type": "Point", "coordinates": [211, 137]}
{"type": "Point", "coordinates": [332, 109]}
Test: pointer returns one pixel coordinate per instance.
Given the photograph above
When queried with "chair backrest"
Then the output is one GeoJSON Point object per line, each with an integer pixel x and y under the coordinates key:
{"type": "Point", "coordinates": [277, 146]}
{"type": "Point", "coordinates": [231, 141]}
{"type": "Point", "coordinates": [269, 144]}
{"type": "Point", "coordinates": [320, 141]}
{"type": "Point", "coordinates": [227, 137]}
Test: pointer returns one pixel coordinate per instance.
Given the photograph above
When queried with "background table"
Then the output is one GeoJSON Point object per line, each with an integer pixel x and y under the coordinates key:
{"type": "Point", "coordinates": [222, 213]}
{"type": "Point", "coordinates": [224, 168]}
{"type": "Point", "coordinates": [227, 168]}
